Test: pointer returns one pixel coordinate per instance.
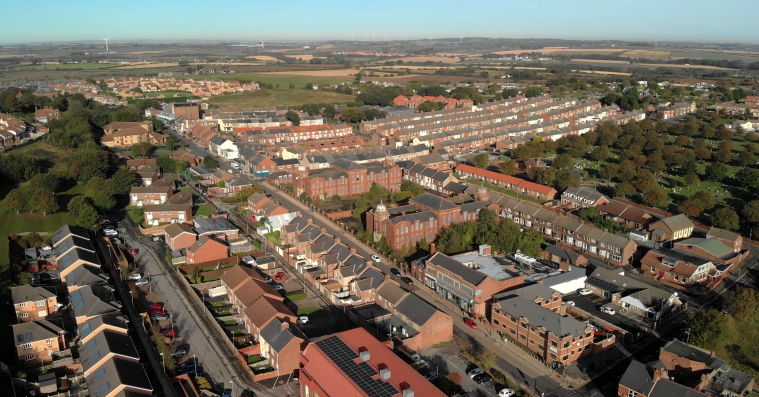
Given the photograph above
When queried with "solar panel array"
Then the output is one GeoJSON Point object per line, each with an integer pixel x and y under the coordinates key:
{"type": "Point", "coordinates": [361, 374]}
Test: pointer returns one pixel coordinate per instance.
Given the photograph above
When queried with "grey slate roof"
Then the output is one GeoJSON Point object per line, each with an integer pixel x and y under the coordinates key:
{"type": "Point", "coordinates": [104, 343]}
{"type": "Point", "coordinates": [77, 254]}
{"type": "Point", "coordinates": [113, 319]}
{"type": "Point", "coordinates": [470, 276]}
{"type": "Point", "coordinates": [567, 255]}
{"type": "Point", "coordinates": [392, 293]}
{"type": "Point", "coordinates": [417, 310]}
{"type": "Point", "coordinates": [638, 377]}
{"type": "Point", "coordinates": [539, 316]}
{"type": "Point", "coordinates": [64, 231]}
{"type": "Point", "coordinates": [370, 279]}
{"type": "Point", "coordinates": [86, 275]}
{"type": "Point", "coordinates": [116, 372]}
{"type": "Point", "coordinates": [93, 300]}
{"type": "Point", "coordinates": [668, 388]}
{"type": "Point", "coordinates": [70, 242]}
{"type": "Point", "coordinates": [692, 353]}
{"type": "Point", "coordinates": [32, 331]}
{"type": "Point", "coordinates": [722, 234]}
{"type": "Point", "coordinates": [342, 252]}
{"type": "Point", "coordinates": [530, 292]}
{"type": "Point", "coordinates": [27, 293]}
{"type": "Point", "coordinates": [432, 201]}
{"type": "Point", "coordinates": [474, 206]}
{"type": "Point", "coordinates": [213, 225]}
{"type": "Point", "coordinates": [347, 164]}
{"type": "Point", "coordinates": [278, 338]}
{"type": "Point", "coordinates": [678, 222]}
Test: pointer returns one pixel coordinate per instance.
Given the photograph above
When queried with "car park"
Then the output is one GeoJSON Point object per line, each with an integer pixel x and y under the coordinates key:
{"type": "Point", "coordinates": [135, 276]}
{"type": "Point", "coordinates": [584, 291]}
{"type": "Point", "coordinates": [470, 323]}
{"type": "Point", "coordinates": [395, 271]}
{"type": "Point", "coordinates": [407, 280]}
{"type": "Point", "coordinates": [607, 310]}
{"type": "Point", "coordinates": [376, 258]}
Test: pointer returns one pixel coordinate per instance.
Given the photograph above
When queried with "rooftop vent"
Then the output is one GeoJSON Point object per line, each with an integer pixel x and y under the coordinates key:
{"type": "Point", "coordinates": [408, 393]}
{"type": "Point", "coordinates": [385, 374]}
{"type": "Point", "coordinates": [364, 355]}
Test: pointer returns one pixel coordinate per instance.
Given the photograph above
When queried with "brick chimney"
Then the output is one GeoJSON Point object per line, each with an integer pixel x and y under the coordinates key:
{"type": "Point", "coordinates": [285, 325]}
{"type": "Point", "coordinates": [660, 373]}
{"type": "Point", "coordinates": [337, 240]}
{"type": "Point", "coordinates": [432, 248]}
{"type": "Point", "coordinates": [310, 222]}
{"type": "Point", "coordinates": [353, 250]}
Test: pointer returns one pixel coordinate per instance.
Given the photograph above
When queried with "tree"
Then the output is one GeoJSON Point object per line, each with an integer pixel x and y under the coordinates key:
{"type": "Point", "coordinates": [291, 86]}
{"type": "Point", "coordinates": [563, 161]}
{"type": "Point", "coordinates": [182, 165]}
{"type": "Point", "coordinates": [748, 177]}
{"type": "Point", "coordinates": [76, 204]}
{"type": "Point", "coordinates": [123, 180]}
{"type": "Point", "coordinates": [210, 162]}
{"type": "Point", "coordinates": [690, 208]}
{"type": "Point", "coordinates": [656, 198]}
{"type": "Point", "coordinates": [708, 327]}
{"type": "Point", "coordinates": [566, 179]}
{"type": "Point", "coordinates": [743, 304]}
{"type": "Point", "coordinates": [726, 218]}
{"type": "Point", "coordinates": [609, 171]}
{"type": "Point", "coordinates": [16, 200]}
{"type": "Point", "coordinates": [88, 216]}
{"type": "Point", "coordinates": [746, 159]}
{"type": "Point", "coordinates": [103, 201]}
{"type": "Point", "coordinates": [691, 179]}
{"type": "Point", "coordinates": [624, 189]}
{"type": "Point", "coordinates": [44, 201]}
{"type": "Point", "coordinates": [750, 211]}
{"type": "Point", "coordinates": [221, 183]}
{"type": "Point", "coordinates": [247, 192]}
{"type": "Point", "coordinates": [546, 176]}
{"type": "Point", "coordinates": [599, 153]}
{"type": "Point", "coordinates": [530, 242]}
{"type": "Point", "coordinates": [481, 160]}
{"type": "Point", "coordinates": [508, 167]}
{"type": "Point", "coordinates": [309, 87]}
{"type": "Point", "coordinates": [294, 117]}
{"type": "Point", "coordinates": [716, 172]}
{"type": "Point", "coordinates": [705, 199]}
{"type": "Point", "coordinates": [408, 186]}
{"type": "Point", "coordinates": [46, 181]}
{"type": "Point", "coordinates": [167, 164]}
{"type": "Point", "coordinates": [142, 149]}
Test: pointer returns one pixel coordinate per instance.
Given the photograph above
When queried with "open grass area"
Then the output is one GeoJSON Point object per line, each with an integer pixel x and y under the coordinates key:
{"type": "Point", "coordinates": [296, 295]}
{"type": "Point", "coordinates": [283, 80]}
{"type": "Point", "coordinates": [282, 96]}
{"type": "Point", "coordinates": [203, 210]}
{"type": "Point", "coordinates": [73, 66]}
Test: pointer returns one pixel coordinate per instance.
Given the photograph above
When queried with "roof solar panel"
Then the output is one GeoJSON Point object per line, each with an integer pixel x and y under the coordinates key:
{"type": "Point", "coordinates": [360, 373]}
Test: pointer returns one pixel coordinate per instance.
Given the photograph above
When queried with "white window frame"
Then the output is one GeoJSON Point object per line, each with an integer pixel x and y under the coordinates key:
{"type": "Point", "coordinates": [27, 345]}
{"type": "Point", "coordinates": [29, 357]}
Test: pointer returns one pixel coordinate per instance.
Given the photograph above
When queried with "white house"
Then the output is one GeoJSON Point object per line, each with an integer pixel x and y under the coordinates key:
{"type": "Point", "coordinates": [224, 147]}
{"type": "Point", "coordinates": [276, 222]}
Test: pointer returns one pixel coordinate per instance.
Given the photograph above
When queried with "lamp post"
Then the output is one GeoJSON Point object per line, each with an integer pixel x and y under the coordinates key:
{"type": "Point", "coordinates": [163, 360]}
{"type": "Point", "coordinates": [132, 296]}
{"type": "Point", "coordinates": [233, 387]}
{"type": "Point", "coordinates": [195, 361]}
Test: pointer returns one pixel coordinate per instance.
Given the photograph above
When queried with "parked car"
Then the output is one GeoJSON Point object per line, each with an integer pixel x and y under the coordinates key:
{"type": "Point", "coordinates": [188, 364]}
{"type": "Point", "coordinates": [584, 291]}
{"type": "Point", "coordinates": [407, 280]}
{"type": "Point", "coordinates": [395, 271]}
{"type": "Point", "coordinates": [269, 195]}
{"type": "Point", "coordinates": [252, 217]}
{"type": "Point", "coordinates": [474, 372]}
{"type": "Point", "coordinates": [154, 306]}
{"type": "Point", "coordinates": [431, 376]}
{"type": "Point", "coordinates": [135, 277]}
{"type": "Point", "coordinates": [570, 303]}
{"type": "Point", "coordinates": [303, 319]}
{"type": "Point", "coordinates": [482, 378]}
{"type": "Point", "coordinates": [133, 251]}
{"type": "Point", "coordinates": [376, 258]}
{"type": "Point", "coordinates": [607, 310]}
{"type": "Point", "coordinates": [210, 197]}
{"type": "Point", "coordinates": [154, 312]}
{"type": "Point", "coordinates": [268, 279]}
{"type": "Point", "coordinates": [179, 352]}
{"type": "Point", "coordinates": [170, 333]}
{"type": "Point", "coordinates": [108, 226]}
{"type": "Point", "coordinates": [470, 323]}
{"type": "Point", "coordinates": [278, 287]}
{"type": "Point", "coordinates": [141, 282]}
{"type": "Point", "coordinates": [506, 392]}
{"type": "Point", "coordinates": [279, 276]}
{"type": "Point", "coordinates": [110, 233]}
{"type": "Point", "coordinates": [159, 317]}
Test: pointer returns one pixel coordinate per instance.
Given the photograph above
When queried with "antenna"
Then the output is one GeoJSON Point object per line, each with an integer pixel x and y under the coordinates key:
{"type": "Point", "coordinates": [106, 43]}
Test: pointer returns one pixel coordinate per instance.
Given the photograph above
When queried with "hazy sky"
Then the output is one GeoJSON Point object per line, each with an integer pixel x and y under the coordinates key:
{"type": "Point", "coordinates": [691, 20]}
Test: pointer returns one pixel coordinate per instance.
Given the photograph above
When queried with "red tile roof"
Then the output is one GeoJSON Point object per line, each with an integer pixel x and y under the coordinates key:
{"type": "Point", "coordinates": [527, 185]}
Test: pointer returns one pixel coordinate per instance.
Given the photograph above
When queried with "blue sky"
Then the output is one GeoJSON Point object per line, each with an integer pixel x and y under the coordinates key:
{"type": "Point", "coordinates": [693, 20]}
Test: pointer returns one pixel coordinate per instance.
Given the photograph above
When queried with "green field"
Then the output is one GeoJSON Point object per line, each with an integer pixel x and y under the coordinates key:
{"type": "Point", "coordinates": [203, 210]}
{"type": "Point", "coordinates": [283, 80]}
{"type": "Point", "coordinates": [77, 66]}
{"type": "Point", "coordinates": [279, 97]}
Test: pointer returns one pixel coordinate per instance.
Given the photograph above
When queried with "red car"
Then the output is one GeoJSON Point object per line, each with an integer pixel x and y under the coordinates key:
{"type": "Point", "coordinates": [210, 197]}
{"type": "Point", "coordinates": [279, 276]}
{"type": "Point", "coordinates": [252, 217]}
{"type": "Point", "coordinates": [156, 311]}
{"type": "Point", "coordinates": [133, 251]}
{"type": "Point", "coordinates": [169, 333]}
{"type": "Point", "coordinates": [470, 323]}
{"type": "Point", "coordinates": [155, 306]}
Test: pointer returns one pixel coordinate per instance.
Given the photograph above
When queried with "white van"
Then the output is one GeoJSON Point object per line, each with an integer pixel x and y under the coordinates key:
{"type": "Point", "coordinates": [236, 165]}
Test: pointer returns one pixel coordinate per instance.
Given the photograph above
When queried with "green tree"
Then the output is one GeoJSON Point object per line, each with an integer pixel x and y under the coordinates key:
{"type": "Point", "coordinates": [690, 208]}
{"type": "Point", "coordinates": [609, 171]}
{"type": "Point", "coordinates": [167, 164]}
{"type": "Point", "coordinates": [46, 181]}
{"type": "Point", "coordinates": [748, 177]}
{"type": "Point", "coordinates": [309, 87]}
{"type": "Point", "coordinates": [656, 198]}
{"type": "Point", "coordinates": [103, 201]}
{"type": "Point", "coordinates": [294, 117]}
{"type": "Point", "coordinates": [750, 211]}
{"type": "Point", "coordinates": [291, 86]}
{"type": "Point", "coordinates": [408, 186]}
{"type": "Point", "coordinates": [210, 162]}
{"type": "Point", "coordinates": [182, 165]}
{"type": "Point", "coordinates": [481, 160]}
{"type": "Point", "coordinates": [563, 161]}
{"type": "Point", "coordinates": [716, 172]}
{"type": "Point", "coordinates": [16, 200]}
{"type": "Point", "coordinates": [726, 218]}
{"type": "Point", "coordinates": [546, 176]}
{"type": "Point", "coordinates": [508, 167]}
{"type": "Point", "coordinates": [530, 242]}
{"type": "Point", "coordinates": [221, 183]}
{"type": "Point", "coordinates": [44, 201]}
{"type": "Point", "coordinates": [565, 179]}
{"type": "Point", "coordinates": [599, 153]}
{"type": "Point", "coordinates": [691, 179]}
{"type": "Point", "coordinates": [88, 217]}
{"type": "Point", "coordinates": [123, 180]}
{"type": "Point", "coordinates": [624, 189]}
{"type": "Point", "coordinates": [743, 304]}
{"type": "Point", "coordinates": [76, 204]}
{"type": "Point", "coordinates": [142, 149]}
{"type": "Point", "coordinates": [708, 327]}
{"type": "Point", "coordinates": [247, 192]}
{"type": "Point", "coordinates": [746, 159]}
{"type": "Point", "coordinates": [705, 199]}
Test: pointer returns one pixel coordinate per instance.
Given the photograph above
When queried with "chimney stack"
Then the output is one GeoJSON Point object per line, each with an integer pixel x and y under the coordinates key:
{"type": "Point", "coordinates": [337, 240]}
{"type": "Point", "coordinates": [364, 355]}
{"type": "Point", "coordinates": [353, 250]}
{"type": "Point", "coordinates": [432, 248]}
{"type": "Point", "coordinates": [310, 222]}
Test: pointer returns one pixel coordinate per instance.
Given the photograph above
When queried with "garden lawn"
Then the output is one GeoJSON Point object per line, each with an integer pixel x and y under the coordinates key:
{"type": "Point", "coordinates": [297, 296]}
{"type": "Point", "coordinates": [203, 210]}
{"type": "Point", "coordinates": [311, 312]}
{"type": "Point", "coordinates": [32, 222]}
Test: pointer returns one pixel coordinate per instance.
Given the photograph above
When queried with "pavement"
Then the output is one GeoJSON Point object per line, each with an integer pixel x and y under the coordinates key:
{"type": "Point", "coordinates": [198, 336]}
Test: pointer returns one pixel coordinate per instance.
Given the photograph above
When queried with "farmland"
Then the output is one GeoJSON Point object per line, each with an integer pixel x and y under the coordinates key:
{"type": "Point", "coordinates": [278, 97]}
{"type": "Point", "coordinates": [426, 59]}
{"type": "Point", "coordinates": [647, 54]}
{"type": "Point", "coordinates": [283, 79]}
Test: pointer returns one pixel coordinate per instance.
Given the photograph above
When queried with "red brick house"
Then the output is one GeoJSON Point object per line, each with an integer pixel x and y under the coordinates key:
{"type": "Point", "coordinates": [46, 114]}
{"type": "Point", "coordinates": [179, 236]}
{"type": "Point", "coordinates": [672, 228]}
{"type": "Point", "coordinates": [346, 178]}
{"type": "Point", "coordinates": [146, 195]}
{"type": "Point", "coordinates": [626, 215]}
{"type": "Point", "coordinates": [728, 238]}
{"type": "Point", "coordinates": [207, 249]}
{"type": "Point", "coordinates": [282, 344]}
{"type": "Point", "coordinates": [37, 341]}
{"type": "Point", "coordinates": [521, 186]}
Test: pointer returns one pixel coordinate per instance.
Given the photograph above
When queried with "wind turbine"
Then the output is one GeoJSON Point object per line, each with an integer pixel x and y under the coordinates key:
{"type": "Point", "coordinates": [262, 44]}
{"type": "Point", "coordinates": [106, 43]}
{"type": "Point", "coordinates": [353, 36]}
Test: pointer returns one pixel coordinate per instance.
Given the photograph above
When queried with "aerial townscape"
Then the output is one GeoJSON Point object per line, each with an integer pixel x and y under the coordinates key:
{"type": "Point", "coordinates": [356, 200]}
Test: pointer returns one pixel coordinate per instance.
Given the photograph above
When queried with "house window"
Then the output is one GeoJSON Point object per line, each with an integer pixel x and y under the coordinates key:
{"type": "Point", "coordinates": [27, 346]}
{"type": "Point", "coordinates": [22, 304]}
{"type": "Point", "coordinates": [40, 303]}
{"type": "Point", "coordinates": [632, 393]}
{"type": "Point", "coordinates": [29, 357]}
{"type": "Point", "coordinates": [24, 314]}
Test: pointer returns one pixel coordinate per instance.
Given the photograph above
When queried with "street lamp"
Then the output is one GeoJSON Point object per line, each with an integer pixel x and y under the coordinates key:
{"type": "Point", "coordinates": [163, 359]}
{"type": "Point", "coordinates": [132, 296]}
{"type": "Point", "coordinates": [233, 387]}
{"type": "Point", "coordinates": [195, 361]}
